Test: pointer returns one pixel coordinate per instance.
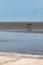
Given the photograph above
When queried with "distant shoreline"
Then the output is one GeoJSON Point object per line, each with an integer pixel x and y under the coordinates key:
{"type": "Point", "coordinates": [22, 26]}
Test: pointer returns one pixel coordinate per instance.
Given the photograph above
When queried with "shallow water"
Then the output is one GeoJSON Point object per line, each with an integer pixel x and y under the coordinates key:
{"type": "Point", "coordinates": [21, 42]}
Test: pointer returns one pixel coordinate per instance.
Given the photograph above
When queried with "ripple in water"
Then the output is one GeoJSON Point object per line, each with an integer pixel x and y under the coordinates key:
{"type": "Point", "coordinates": [21, 42]}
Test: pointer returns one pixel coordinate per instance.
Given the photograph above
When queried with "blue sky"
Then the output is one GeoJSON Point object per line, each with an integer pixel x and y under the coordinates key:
{"type": "Point", "coordinates": [21, 10]}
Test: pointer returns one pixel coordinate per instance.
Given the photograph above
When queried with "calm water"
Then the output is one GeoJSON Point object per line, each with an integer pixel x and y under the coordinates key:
{"type": "Point", "coordinates": [21, 42]}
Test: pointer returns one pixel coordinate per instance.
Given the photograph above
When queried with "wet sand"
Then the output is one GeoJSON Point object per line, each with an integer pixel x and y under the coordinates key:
{"type": "Point", "coordinates": [13, 58]}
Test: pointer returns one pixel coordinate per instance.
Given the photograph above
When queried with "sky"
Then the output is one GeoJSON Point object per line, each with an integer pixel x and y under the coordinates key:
{"type": "Point", "coordinates": [21, 10]}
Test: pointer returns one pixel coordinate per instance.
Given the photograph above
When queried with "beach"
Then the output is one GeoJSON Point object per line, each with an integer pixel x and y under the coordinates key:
{"type": "Point", "coordinates": [21, 43]}
{"type": "Point", "coordinates": [13, 58]}
{"type": "Point", "coordinates": [28, 50]}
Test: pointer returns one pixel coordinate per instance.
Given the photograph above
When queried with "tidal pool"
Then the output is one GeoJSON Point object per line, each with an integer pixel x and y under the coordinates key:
{"type": "Point", "coordinates": [21, 42]}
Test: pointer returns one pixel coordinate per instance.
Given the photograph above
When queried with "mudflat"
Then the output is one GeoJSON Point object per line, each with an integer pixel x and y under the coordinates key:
{"type": "Point", "coordinates": [22, 26]}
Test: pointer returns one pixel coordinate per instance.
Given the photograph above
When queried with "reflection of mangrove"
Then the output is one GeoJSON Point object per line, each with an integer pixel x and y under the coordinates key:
{"type": "Point", "coordinates": [29, 26]}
